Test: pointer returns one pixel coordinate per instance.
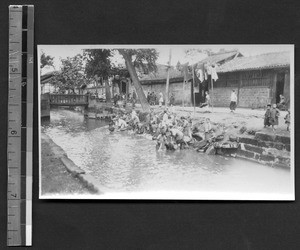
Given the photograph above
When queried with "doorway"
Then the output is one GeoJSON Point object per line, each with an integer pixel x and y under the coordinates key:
{"type": "Point", "coordinates": [279, 86]}
{"type": "Point", "coordinates": [122, 87]}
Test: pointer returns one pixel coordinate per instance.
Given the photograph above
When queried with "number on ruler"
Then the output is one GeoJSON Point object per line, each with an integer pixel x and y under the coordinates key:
{"type": "Point", "coordinates": [30, 60]}
{"type": "Point", "coordinates": [14, 70]}
{"type": "Point", "coordinates": [13, 132]}
{"type": "Point", "coordinates": [14, 195]}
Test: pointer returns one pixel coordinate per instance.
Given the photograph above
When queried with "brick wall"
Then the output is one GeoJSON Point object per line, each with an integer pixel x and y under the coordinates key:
{"type": "Point", "coordinates": [254, 97]}
{"type": "Point", "coordinates": [251, 97]}
{"type": "Point", "coordinates": [221, 96]}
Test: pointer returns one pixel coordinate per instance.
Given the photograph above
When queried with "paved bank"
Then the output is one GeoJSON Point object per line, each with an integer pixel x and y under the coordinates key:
{"type": "Point", "coordinates": [60, 175]}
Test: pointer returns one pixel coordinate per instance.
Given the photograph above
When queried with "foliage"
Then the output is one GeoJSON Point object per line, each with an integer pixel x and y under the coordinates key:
{"type": "Point", "coordinates": [46, 60]}
{"type": "Point", "coordinates": [71, 75]}
{"type": "Point", "coordinates": [143, 60]}
{"type": "Point", "coordinates": [194, 52]}
{"type": "Point", "coordinates": [97, 62]}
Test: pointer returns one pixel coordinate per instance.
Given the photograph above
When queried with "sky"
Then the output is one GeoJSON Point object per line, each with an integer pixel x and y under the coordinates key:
{"type": "Point", "coordinates": [177, 51]}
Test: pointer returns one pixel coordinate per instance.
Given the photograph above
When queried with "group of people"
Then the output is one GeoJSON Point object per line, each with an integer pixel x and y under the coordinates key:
{"type": "Point", "coordinates": [272, 116]}
{"type": "Point", "coordinates": [153, 99]}
{"type": "Point", "coordinates": [170, 131]}
{"type": "Point", "coordinates": [122, 97]}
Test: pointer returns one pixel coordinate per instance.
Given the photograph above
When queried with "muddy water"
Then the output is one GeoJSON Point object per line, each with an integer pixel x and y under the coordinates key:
{"type": "Point", "coordinates": [125, 162]}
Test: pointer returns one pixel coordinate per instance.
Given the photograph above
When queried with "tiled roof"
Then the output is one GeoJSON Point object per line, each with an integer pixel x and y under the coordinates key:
{"type": "Point", "coordinates": [219, 57]}
{"type": "Point", "coordinates": [48, 75]}
{"type": "Point", "coordinates": [161, 74]}
{"type": "Point", "coordinates": [263, 61]}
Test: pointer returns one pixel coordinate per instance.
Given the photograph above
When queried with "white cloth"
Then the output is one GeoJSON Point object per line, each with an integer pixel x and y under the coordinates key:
{"type": "Point", "coordinates": [214, 74]}
{"type": "Point", "coordinates": [200, 75]}
{"type": "Point", "coordinates": [209, 70]}
{"type": "Point", "coordinates": [233, 97]}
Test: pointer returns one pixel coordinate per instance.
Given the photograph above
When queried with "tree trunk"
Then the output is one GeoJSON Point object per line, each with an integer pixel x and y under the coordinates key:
{"type": "Point", "coordinates": [107, 91]}
{"type": "Point", "coordinates": [135, 80]}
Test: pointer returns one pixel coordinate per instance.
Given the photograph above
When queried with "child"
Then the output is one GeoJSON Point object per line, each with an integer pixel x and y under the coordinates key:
{"type": "Point", "coordinates": [274, 114]}
{"type": "Point", "coordinates": [287, 119]}
{"type": "Point", "coordinates": [267, 116]}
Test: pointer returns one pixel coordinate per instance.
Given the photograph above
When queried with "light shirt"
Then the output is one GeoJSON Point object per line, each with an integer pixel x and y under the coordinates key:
{"type": "Point", "coordinates": [121, 123]}
{"type": "Point", "coordinates": [233, 97]}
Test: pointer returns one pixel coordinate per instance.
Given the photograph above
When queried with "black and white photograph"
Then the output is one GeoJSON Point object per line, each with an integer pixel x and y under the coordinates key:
{"type": "Point", "coordinates": [178, 122]}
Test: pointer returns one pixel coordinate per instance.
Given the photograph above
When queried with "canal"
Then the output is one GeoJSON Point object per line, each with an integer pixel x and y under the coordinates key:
{"type": "Point", "coordinates": [124, 162]}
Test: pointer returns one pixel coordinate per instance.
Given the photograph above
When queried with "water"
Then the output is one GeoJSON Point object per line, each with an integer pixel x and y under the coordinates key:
{"type": "Point", "coordinates": [125, 162]}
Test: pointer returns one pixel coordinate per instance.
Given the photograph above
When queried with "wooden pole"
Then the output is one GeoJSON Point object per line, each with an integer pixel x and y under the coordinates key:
{"type": "Point", "coordinates": [184, 81]}
{"type": "Point", "coordinates": [168, 79]}
{"type": "Point", "coordinates": [193, 89]}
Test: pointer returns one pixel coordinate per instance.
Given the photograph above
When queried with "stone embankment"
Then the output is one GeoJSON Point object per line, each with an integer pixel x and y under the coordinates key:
{"type": "Point", "coordinates": [263, 146]}
{"type": "Point", "coordinates": [270, 149]}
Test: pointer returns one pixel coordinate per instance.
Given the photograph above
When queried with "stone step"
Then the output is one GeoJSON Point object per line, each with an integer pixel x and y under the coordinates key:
{"type": "Point", "coordinates": [278, 161]}
{"type": "Point", "coordinates": [266, 144]}
{"type": "Point", "coordinates": [272, 138]}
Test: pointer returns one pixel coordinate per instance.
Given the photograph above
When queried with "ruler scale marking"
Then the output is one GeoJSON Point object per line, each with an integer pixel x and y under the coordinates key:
{"type": "Point", "coordinates": [20, 119]}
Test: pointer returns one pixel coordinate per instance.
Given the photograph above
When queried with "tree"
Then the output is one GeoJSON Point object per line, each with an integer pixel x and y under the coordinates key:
{"type": "Point", "coordinates": [143, 60]}
{"type": "Point", "coordinates": [71, 75]}
{"type": "Point", "coordinates": [98, 64]}
{"type": "Point", "coordinates": [46, 60]}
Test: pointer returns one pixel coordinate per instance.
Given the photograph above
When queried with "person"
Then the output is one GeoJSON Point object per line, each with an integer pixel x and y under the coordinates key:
{"type": "Point", "coordinates": [121, 124]}
{"type": "Point", "coordinates": [207, 101]}
{"type": "Point", "coordinates": [161, 140]}
{"type": "Point", "coordinates": [133, 99]}
{"type": "Point", "coordinates": [172, 109]}
{"type": "Point", "coordinates": [161, 99]}
{"type": "Point", "coordinates": [178, 136]}
{"type": "Point", "coordinates": [281, 103]}
{"type": "Point", "coordinates": [148, 97]}
{"type": "Point", "coordinates": [134, 118]}
{"type": "Point", "coordinates": [115, 99]}
{"type": "Point", "coordinates": [287, 119]}
{"type": "Point", "coordinates": [233, 100]}
{"type": "Point", "coordinates": [207, 129]}
{"type": "Point", "coordinates": [172, 99]}
{"type": "Point", "coordinates": [267, 116]}
{"type": "Point", "coordinates": [165, 117]}
{"type": "Point", "coordinates": [274, 114]}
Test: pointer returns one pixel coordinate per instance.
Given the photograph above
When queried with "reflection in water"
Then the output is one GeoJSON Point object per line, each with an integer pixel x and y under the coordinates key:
{"type": "Point", "coordinates": [125, 162]}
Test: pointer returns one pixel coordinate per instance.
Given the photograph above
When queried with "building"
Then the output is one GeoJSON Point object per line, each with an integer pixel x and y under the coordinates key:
{"type": "Point", "coordinates": [257, 80]}
{"type": "Point", "coordinates": [183, 92]}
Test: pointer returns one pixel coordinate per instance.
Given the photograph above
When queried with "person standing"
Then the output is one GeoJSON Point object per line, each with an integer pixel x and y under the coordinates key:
{"type": "Point", "coordinates": [161, 99]}
{"type": "Point", "coordinates": [287, 119]}
{"type": "Point", "coordinates": [233, 100]}
{"type": "Point", "coordinates": [267, 116]}
{"type": "Point", "coordinates": [274, 114]}
{"type": "Point", "coordinates": [172, 99]}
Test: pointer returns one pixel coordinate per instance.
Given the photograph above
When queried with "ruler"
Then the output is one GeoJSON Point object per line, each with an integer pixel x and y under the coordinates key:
{"type": "Point", "coordinates": [20, 121]}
